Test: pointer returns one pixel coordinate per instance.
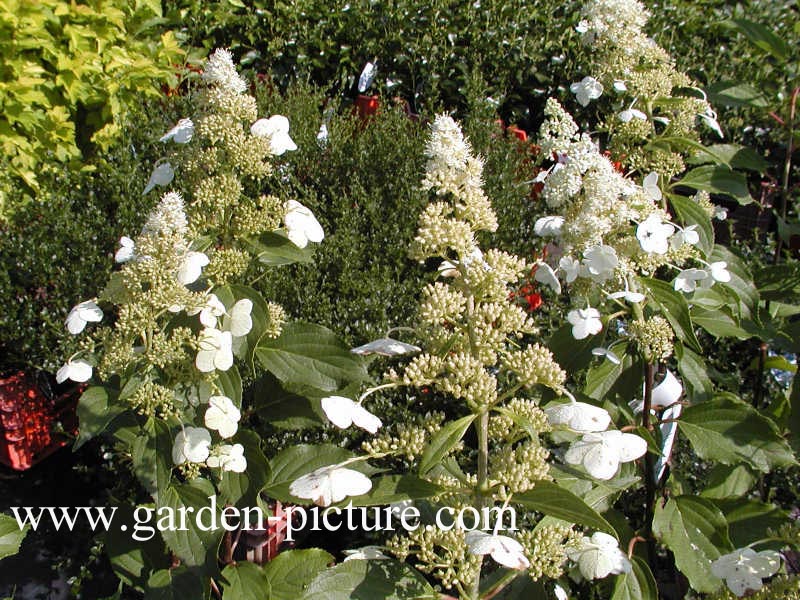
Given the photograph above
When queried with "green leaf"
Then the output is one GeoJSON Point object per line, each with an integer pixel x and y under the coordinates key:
{"type": "Point", "coordinates": [734, 93]}
{"type": "Point", "coordinates": [370, 580]}
{"type": "Point", "coordinates": [779, 282]}
{"type": "Point", "coordinates": [242, 489]}
{"type": "Point", "coordinates": [720, 324]}
{"type": "Point", "coordinates": [230, 384]}
{"type": "Point", "coordinates": [725, 481]}
{"type": "Point", "coordinates": [794, 414]}
{"type": "Point", "coordinates": [602, 378]}
{"type": "Point", "coordinates": [749, 520]}
{"type": "Point", "coordinates": [394, 488]}
{"type": "Point", "coordinates": [639, 584]}
{"type": "Point", "coordinates": [729, 431]}
{"type": "Point", "coordinates": [763, 38]}
{"type": "Point", "coordinates": [696, 532]}
{"type": "Point", "coordinates": [692, 369]}
{"type": "Point", "coordinates": [717, 180]}
{"type": "Point", "coordinates": [571, 354]}
{"type": "Point", "coordinates": [741, 282]}
{"type": "Point", "coordinates": [274, 248]}
{"type": "Point", "coordinates": [94, 413]}
{"type": "Point", "coordinates": [443, 441]}
{"type": "Point", "coordinates": [295, 461]}
{"type": "Point", "coordinates": [290, 573]}
{"type": "Point", "coordinates": [281, 408]}
{"type": "Point", "coordinates": [707, 153]}
{"type": "Point", "coordinates": [675, 309]}
{"type": "Point", "coordinates": [735, 155]}
{"type": "Point", "coordinates": [311, 355]}
{"type": "Point", "coordinates": [690, 212]}
{"type": "Point", "coordinates": [246, 581]}
{"type": "Point", "coordinates": [191, 543]}
{"type": "Point", "coordinates": [151, 452]}
{"type": "Point", "coordinates": [11, 535]}
{"type": "Point", "coordinates": [133, 560]}
{"type": "Point", "coordinates": [551, 499]}
{"type": "Point", "coordinates": [179, 583]}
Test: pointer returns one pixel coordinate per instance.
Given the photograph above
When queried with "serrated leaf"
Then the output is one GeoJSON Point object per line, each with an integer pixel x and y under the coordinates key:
{"type": "Point", "coordinates": [690, 212]}
{"type": "Point", "coordinates": [735, 93]}
{"type": "Point", "coordinates": [394, 488]}
{"type": "Point", "coordinates": [133, 560]}
{"type": "Point", "coordinates": [195, 546]}
{"type": "Point", "coordinates": [717, 180]}
{"type": "Point", "coordinates": [11, 535]}
{"type": "Point", "coordinates": [749, 520]}
{"type": "Point", "coordinates": [443, 441]}
{"type": "Point", "coordinates": [696, 532]}
{"type": "Point", "coordinates": [735, 155]}
{"type": "Point", "coordinates": [551, 499]}
{"type": "Point", "coordinates": [290, 573]}
{"type": "Point", "coordinates": [741, 282]}
{"type": "Point", "coordinates": [571, 354]}
{"type": "Point", "coordinates": [693, 371]}
{"type": "Point", "coordinates": [369, 580]}
{"type": "Point", "coordinates": [639, 584]}
{"type": "Point", "coordinates": [246, 581]}
{"type": "Point", "coordinates": [295, 461]}
{"type": "Point", "coordinates": [95, 412]}
{"type": "Point", "coordinates": [763, 38]}
{"type": "Point", "coordinates": [675, 309]}
{"type": "Point", "coordinates": [729, 431]}
{"type": "Point", "coordinates": [725, 481]}
{"type": "Point", "coordinates": [179, 583]}
{"type": "Point", "coordinates": [275, 249]}
{"type": "Point", "coordinates": [150, 453]}
{"type": "Point", "coordinates": [311, 355]}
{"type": "Point", "coordinates": [281, 408]}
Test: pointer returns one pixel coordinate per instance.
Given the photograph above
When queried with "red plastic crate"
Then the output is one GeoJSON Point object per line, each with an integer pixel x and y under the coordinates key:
{"type": "Point", "coordinates": [27, 421]}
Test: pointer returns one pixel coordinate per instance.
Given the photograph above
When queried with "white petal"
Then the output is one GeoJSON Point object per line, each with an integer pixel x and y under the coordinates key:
{"type": "Point", "coordinates": [631, 447]}
{"type": "Point", "coordinates": [348, 482]}
{"type": "Point", "coordinates": [338, 409]}
{"type": "Point", "coordinates": [241, 319]}
{"type": "Point", "coordinates": [162, 175]}
{"type": "Point", "coordinates": [667, 392]}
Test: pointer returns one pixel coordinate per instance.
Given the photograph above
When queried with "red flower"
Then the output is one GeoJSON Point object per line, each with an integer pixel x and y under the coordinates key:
{"type": "Point", "coordinates": [534, 301]}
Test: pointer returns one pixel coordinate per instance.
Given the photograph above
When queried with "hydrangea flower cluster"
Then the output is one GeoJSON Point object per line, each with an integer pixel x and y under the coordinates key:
{"type": "Point", "coordinates": [471, 333]}
{"type": "Point", "coordinates": [176, 323]}
{"type": "Point", "coordinates": [642, 78]}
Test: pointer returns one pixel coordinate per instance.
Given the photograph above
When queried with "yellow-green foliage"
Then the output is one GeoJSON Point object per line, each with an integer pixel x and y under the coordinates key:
{"type": "Point", "coordinates": [67, 72]}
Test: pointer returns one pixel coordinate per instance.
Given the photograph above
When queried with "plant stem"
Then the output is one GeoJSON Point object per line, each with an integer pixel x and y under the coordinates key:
{"type": "Point", "coordinates": [649, 477]}
{"type": "Point", "coordinates": [787, 169]}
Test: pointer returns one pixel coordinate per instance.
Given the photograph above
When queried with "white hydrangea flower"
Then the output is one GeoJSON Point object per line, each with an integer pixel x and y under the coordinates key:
{"type": "Point", "coordinates": [619, 86]}
{"type": "Point", "coordinates": [599, 556]}
{"type": "Point", "coordinates": [608, 353]}
{"type": "Point", "coordinates": [585, 322]}
{"type": "Point", "coordinates": [222, 416]}
{"type": "Point", "coordinates": [629, 114]}
{"type": "Point", "coordinates": [744, 569]}
{"type": "Point", "coordinates": [600, 261]}
{"type": "Point", "coordinates": [168, 217]}
{"type": "Point", "coordinates": [503, 549]}
{"type": "Point", "coordinates": [650, 187]}
{"type": "Point", "coordinates": [276, 128]}
{"type": "Point", "coordinates": [385, 347]}
{"type": "Point", "coordinates": [180, 134]}
{"type": "Point", "coordinates": [191, 267]}
{"type": "Point", "coordinates": [221, 71]}
{"type": "Point", "coordinates": [228, 458]}
{"type": "Point", "coordinates": [578, 416]}
{"type": "Point", "coordinates": [191, 445]}
{"type": "Point", "coordinates": [365, 553]}
{"type": "Point", "coordinates": [719, 271]}
{"type": "Point", "coordinates": [709, 117]}
{"type": "Point", "coordinates": [571, 268]}
{"type": "Point", "coordinates": [653, 234]}
{"type": "Point", "coordinates": [126, 251]}
{"type": "Point", "coordinates": [344, 412]}
{"type": "Point", "coordinates": [301, 225]}
{"type": "Point", "coordinates": [216, 350]}
{"type": "Point", "coordinates": [75, 370]}
{"type": "Point", "coordinates": [240, 319]}
{"type": "Point", "coordinates": [720, 213]}
{"type": "Point", "coordinates": [689, 279]}
{"type": "Point", "coordinates": [327, 485]}
{"type": "Point", "coordinates": [687, 235]}
{"type": "Point", "coordinates": [601, 453]}
{"type": "Point", "coordinates": [209, 311]}
{"type": "Point", "coordinates": [162, 175]}
{"type": "Point", "coordinates": [548, 226]}
{"type": "Point", "coordinates": [627, 294]}
{"type": "Point", "coordinates": [546, 275]}
{"type": "Point", "coordinates": [586, 90]}
{"type": "Point", "coordinates": [81, 314]}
